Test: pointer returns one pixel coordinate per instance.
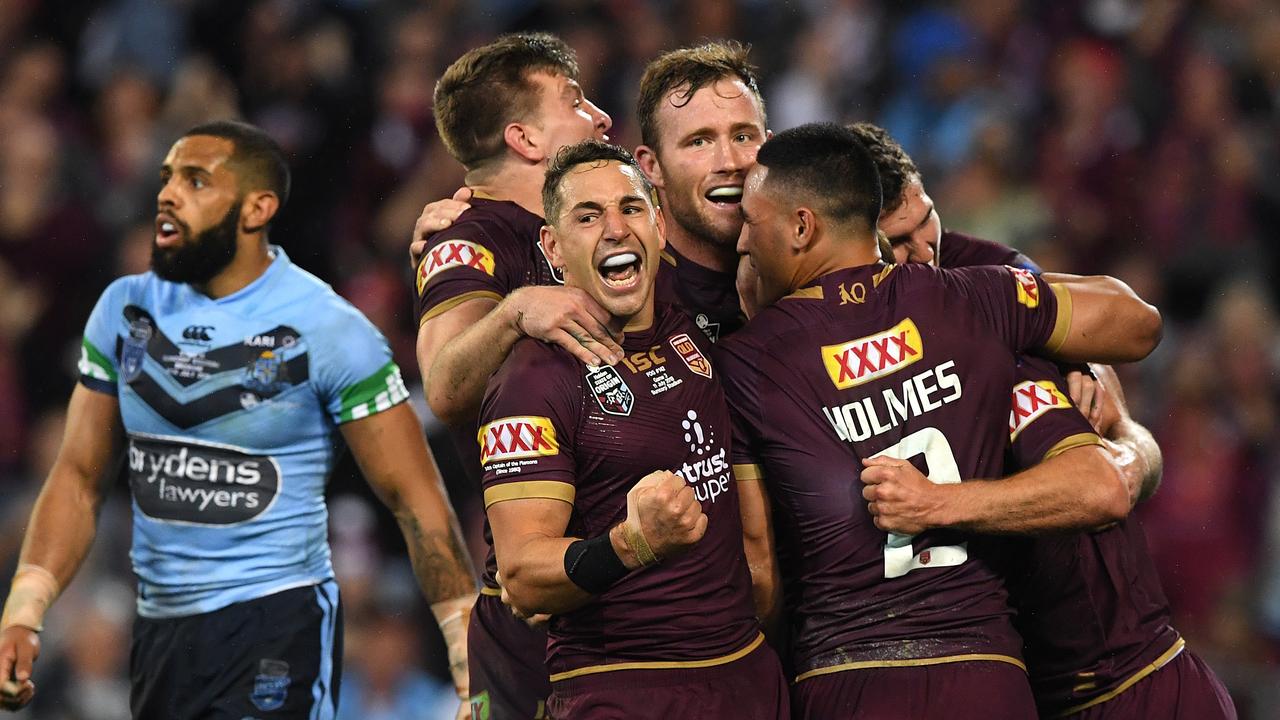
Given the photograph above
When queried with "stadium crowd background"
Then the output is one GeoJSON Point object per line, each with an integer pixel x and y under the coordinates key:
{"type": "Point", "coordinates": [1139, 138]}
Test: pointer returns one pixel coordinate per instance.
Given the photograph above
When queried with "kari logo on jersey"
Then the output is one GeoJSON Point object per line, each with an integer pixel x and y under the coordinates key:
{"type": "Point", "coordinates": [197, 483]}
{"type": "Point", "coordinates": [689, 353]}
{"type": "Point", "coordinates": [517, 438]}
{"type": "Point", "coordinates": [874, 356]}
{"type": "Point", "coordinates": [1028, 289]}
{"type": "Point", "coordinates": [451, 254]}
{"type": "Point", "coordinates": [1030, 401]}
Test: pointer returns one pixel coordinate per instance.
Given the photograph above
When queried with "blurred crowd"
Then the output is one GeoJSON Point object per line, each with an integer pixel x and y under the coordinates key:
{"type": "Point", "coordinates": [1140, 138]}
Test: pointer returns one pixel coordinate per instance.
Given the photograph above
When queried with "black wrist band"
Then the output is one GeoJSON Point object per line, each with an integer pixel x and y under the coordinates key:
{"type": "Point", "coordinates": [593, 565]}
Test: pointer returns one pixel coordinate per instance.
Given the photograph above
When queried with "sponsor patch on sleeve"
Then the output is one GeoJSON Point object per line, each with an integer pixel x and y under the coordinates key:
{"type": "Point", "coordinates": [517, 438]}
{"type": "Point", "coordinates": [689, 353]}
{"type": "Point", "coordinates": [1030, 401]}
{"type": "Point", "coordinates": [451, 254]}
{"type": "Point", "coordinates": [1025, 282]}
{"type": "Point", "coordinates": [874, 356]}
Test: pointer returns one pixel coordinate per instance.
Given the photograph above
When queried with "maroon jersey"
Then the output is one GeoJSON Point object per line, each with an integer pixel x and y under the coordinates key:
{"type": "Point", "coordinates": [959, 250]}
{"type": "Point", "coordinates": [907, 361]}
{"type": "Point", "coordinates": [553, 428]}
{"type": "Point", "coordinates": [1091, 608]}
{"type": "Point", "coordinates": [708, 297]}
{"type": "Point", "coordinates": [490, 251]}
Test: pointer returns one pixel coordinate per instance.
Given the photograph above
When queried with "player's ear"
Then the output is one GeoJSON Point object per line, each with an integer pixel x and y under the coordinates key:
{"type": "Point", "coordinates": [803, 224]}
{"type": "Point", "coordinates": [551, 246]}
{"type": "Point", "coordinates": [662, 227]}
{"type": "Point", "coordinates": [522, 139]}
{"type": "Point", "coordinates": [647, 159]}
{"type": "Point", "coordinates": [257, 209]}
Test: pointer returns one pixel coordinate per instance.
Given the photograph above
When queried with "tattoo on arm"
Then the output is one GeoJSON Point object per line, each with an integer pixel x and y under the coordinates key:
{"type": "Point", "coordinates": [440, 563]}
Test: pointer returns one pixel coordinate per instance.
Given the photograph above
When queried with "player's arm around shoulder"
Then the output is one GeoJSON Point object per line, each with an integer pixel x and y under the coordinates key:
{"type": "Point", "coordinates": [394, 457]}
{"type": "Point", "coordinates": [59, 534]}
{"type": "Point", "coordinates": [1106, 321]}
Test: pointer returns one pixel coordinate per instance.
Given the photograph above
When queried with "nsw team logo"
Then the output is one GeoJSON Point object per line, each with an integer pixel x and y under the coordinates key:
{"type": "Point", "coordinates": [689, 353]}
{"type": "Point", "coordinates": [1030, 401]}
{"type": "Point", "coordinates": [610, 390]}
{"type": "Point", "coordinates": [517, 438]}
{"type": "Point", "coordinates": [1028, 289]}
{"type": "Point", "coordinates": [451, 254]}
{"type": "Point", "coordinates": [266, 374]}
{"type": "Point", "coordinates": [874, 356]}
{"type": "Point", "coordinates": [135, 349]}
{"type": "Point", "coordinates": [271, 685]}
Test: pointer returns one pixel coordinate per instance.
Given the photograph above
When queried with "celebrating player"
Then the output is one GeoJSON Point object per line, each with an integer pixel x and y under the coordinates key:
{"type": "Point", "coordinates": [647, 580]}
{"type": "Point", "coordinates": [858, 359]}
{"type": "Point", "coordinates": [224, 372]}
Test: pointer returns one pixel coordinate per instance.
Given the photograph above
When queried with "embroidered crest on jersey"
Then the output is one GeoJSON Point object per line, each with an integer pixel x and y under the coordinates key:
{"type": "Point", "coordinates": [1028, 289]}
{"type": "Point", "coordinates": [517, 438]}
{"type": "Point", "coordinates": [135, 348]}
{"type": "Point", "coordinates": [451, 254]}
{"type": "Point", "coordinates": [1030, 401]}
{"type": "Point", "coordinates": [689, 353]}
{"type": "Point", "coordinates": [874, 356]}
{"type": "Point", "coordinates": [270, 685]}
{"type": "Point", "coordinates": [610, 390]}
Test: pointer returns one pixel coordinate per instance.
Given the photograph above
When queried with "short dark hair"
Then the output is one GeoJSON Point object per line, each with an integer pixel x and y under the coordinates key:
{"type": "Point", "coordinates": [896, 167]}
{"type": "Point", "coordinates": [687, 71]}
{"type": "Point", "coordinates": [256, 159]}
{"type": "Point", "coordinates": [580, 153]}
{"type": "Point", "coordinates": [488, 88]}
{"type": "Point", "coordinates": [829, 166]}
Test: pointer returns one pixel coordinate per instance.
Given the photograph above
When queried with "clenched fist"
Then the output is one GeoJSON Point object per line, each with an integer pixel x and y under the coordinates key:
{"type": "Point", "coordinates": [663, 511]}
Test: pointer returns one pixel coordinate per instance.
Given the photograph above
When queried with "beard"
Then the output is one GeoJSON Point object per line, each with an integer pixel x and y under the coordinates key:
{"type": "Point", "coordinates": [688, 215]}
{"type": "Point", "coordinates": [198, 259]}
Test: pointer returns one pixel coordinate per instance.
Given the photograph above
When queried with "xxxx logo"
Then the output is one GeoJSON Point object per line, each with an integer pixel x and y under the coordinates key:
{"type": "Point", "coordinates": [1028, 288]}
{"type": "Point", "coordinates": [514, 438]}
{"type": "Point", "coordinates": [454, 253]}
{"type": "Point", "coordinates": [1030, 401]}
{"type": "Point", "coordinates": [865, 359]}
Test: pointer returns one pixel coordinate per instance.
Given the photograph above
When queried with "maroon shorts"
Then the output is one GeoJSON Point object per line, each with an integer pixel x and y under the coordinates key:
{"type": "Point", "coordinates": [972, 690]}
{"type": "Point", "coordinates": [508, 664]}
{"type": "Point", "coordinates": [751, 688]}
{"type": "Point", "coordinates": [1184, 689]}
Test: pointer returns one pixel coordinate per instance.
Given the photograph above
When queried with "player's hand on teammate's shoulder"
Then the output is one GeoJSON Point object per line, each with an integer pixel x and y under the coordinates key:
{"type": "Point", "coordinates": [436, 216]}
{"type": "Point", "coordinates": [568, 317]}
{"type": "Point", "coordinates": [1111, 409]}
{"type": "Point", "coordinates": [19, 648]}
{"type": "Point", "coordinates": [1087, 394]}
{"type": "Point", "coordinates": [664, 518]}
{"type": "Point", "coordinates": [900, 498]}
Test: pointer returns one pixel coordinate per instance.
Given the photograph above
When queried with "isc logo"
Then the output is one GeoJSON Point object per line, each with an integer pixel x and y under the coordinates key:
{"type": "Point", "coordinates": [874, 356]}
{"type": "Point", "coordinates": [1030, 401]}
{"type": "Point", "coordinates": [454, 253]}
{"type": "Point", "coordinates": [513, 438]}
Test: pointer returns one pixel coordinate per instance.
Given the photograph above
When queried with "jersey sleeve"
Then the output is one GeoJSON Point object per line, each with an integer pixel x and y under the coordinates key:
{"type": "Point", "coordinates": [1023, 310]}
{"type": "Point", "coordinates": [99, 365]}
{"type": "Point", "coordinates": [739, 380]}
{"type": "Point", "coordinates": [355, 375]}
{"type": "Point", "coordinates": [1042, 420]}
{"type": "Point", "coordinates": [461, 263]}
{"type": "Point", "coordinates": [960, 250]}
{"type": "Point", "coordinates": [528, 426]}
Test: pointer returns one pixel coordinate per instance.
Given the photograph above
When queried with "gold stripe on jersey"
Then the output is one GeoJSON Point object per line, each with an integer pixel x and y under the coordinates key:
{"type": "Point", "coordinates": [747, 472]}
{"type": "Point", "coordinates": [1062, 325]}
{"type": "Point", "coordinates": [1133, 679]}
{"type": "Point", "coordinates": [457, 300]}
{"type": "Point", "coordinates": [880, 276]}
{"type": "Point", "coordinates": [668, 258]}
{"type": "Point", "coordinates": [530, 489]}
{"type": "Point", "coordinates": [919, 662]}
{"type": "Point", "coordinates": [491, 592]}
{"type": "Point", "coordinates": [809, 293]}
{"type": "Point", "coordinates": [1071, 442]}
{"type": "Point", "coordinates": [661, 665]}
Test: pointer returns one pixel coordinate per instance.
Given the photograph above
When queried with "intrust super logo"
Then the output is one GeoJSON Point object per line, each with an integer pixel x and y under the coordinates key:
{"type": "Point", "coordinates": [516, 438]}
{"type": "Point", "coordinates": [454, 253]}
{"type": "Point", "coordinates": [874, 356]}
{"type": "Point", "coordinates": [1030, 401]}
{"type": "Point", "coordinates": [1025, 282]}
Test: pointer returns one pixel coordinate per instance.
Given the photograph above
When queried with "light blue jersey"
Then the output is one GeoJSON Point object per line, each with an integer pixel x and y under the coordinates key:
{"type": "Point", "coordinates": [230, 407]}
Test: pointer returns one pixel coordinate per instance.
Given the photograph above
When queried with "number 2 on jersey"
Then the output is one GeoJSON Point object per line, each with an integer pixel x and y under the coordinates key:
{"type": "Point", "coordinates": [900, 557]}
